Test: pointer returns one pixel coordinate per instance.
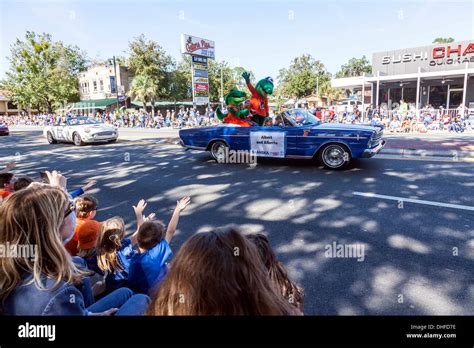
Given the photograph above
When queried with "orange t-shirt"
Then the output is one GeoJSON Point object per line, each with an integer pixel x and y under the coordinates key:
{"type": "Point", "coordinates": [4, 194]}
{"type": "Point", "coordinates": [71, 246]}
{"type": "Point", "coordinates": [258, 103]}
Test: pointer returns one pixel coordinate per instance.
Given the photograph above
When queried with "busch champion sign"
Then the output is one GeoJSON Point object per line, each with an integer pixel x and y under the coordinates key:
{"type": "Point", "coordinates": [197, 46]}
{"type": "Point", "coordinates": [438, 57]}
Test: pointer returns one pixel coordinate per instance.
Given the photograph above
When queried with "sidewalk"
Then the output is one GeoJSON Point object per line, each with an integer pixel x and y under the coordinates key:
{"type": "Point", "coordinates": [449, 145]}
{"type": "Point", "coordinates": [439, 144]}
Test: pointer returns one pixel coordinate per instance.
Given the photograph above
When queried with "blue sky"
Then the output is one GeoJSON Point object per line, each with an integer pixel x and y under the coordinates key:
{"type": "Point", "coordinates": [261, 35]}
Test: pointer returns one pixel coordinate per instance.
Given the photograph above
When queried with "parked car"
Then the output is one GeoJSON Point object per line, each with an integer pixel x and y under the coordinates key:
{"type": "Point", "coordinates": [295, 133]}
{"type": "Point", "coordinates": [79, 131]}
{"type": "Point", "coordinates": [4, 129]}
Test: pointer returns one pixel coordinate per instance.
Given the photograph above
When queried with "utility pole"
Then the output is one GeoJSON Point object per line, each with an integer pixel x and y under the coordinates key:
{"type": "Point", "coordinates": [317, 86]}
{"type": "Point", "coordinates": [222, 85]}
{"type": "Point", "coordinates": [116, 83]}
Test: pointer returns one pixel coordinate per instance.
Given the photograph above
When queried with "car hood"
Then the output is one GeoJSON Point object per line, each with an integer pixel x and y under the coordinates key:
{"type": "Point", "coordinates": [97, 127]}
{"type": "Point", "coordinates": [352, 127]}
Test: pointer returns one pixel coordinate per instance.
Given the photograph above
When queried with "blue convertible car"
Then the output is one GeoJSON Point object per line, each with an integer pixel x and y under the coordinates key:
{"type": "Point", "coordinates": [294, 133]}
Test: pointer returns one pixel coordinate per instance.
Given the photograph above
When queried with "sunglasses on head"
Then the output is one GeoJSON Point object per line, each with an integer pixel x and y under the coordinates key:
{"type": "Point", "coordinates": [71, 207]}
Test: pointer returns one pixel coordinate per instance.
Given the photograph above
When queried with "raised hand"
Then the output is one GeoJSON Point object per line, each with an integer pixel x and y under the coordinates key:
{"type": "Point", "coordinates": [150, 217]}
{"type": "Point", "coordinates": [55, 178]}
{"type": "Point", "coordinates": [246, 76]}
{"type": "Point", "coordinates": [9, 167]}
{"type": "Point", "coordinates": [183, 203]}
{"type": "Point", "coordinates": [89, 185]}
{"type": "Point", "coordinates": [140, 207]}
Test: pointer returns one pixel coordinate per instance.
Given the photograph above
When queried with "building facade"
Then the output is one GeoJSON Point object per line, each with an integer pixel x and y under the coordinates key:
{"type": "Point", "coordinates": [100, 82]}
{"type": "Point", "coordinates": [439, 75]}
{"type": "Point", "coordinates": [7, 106]}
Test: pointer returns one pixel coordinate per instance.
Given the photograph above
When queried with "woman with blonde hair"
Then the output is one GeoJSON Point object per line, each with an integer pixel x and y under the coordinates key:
{"type": "Point", "coordinates": [276, 271]}
{"type": "Point", "coordinates": [40, 278]}
{"type": "Point", "coordinates": [219, 273]}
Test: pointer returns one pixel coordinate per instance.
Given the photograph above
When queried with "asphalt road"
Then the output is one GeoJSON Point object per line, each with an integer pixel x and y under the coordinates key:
{"type": "Point", "coordinates": [418, 258]}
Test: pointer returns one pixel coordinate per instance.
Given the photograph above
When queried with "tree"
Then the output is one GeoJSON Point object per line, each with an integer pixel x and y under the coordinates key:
{"type": "Point", "coordinates": [355, 67]}
{"type": "Point", "coordinates": [231, 77]}
{"type": "Point", "coordinates": [440, 40]}
{"type": "Point", "coordinates": [143, 89]}
{"type": "Point", "coordinates": [148, 58]}
{"type": "Point", "coordinates": [304, 76]}
{"type": "Point", "coordinates": [43, 73]}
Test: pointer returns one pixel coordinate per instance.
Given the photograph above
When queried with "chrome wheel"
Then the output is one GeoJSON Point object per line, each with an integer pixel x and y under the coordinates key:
{"type": "Point", "coordinates": [335, 156]}
{"type": "Point", "coordinates": [50, 138]}
{"type": "Point", "coordinates": [219, 151]}
{"type": "Point", "coordinates": [77, 139]}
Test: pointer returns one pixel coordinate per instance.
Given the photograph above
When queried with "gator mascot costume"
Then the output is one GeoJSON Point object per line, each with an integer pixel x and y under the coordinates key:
{"type": "Point", "coordinates": [234, 114]}
{"type": "Point", "coordinates": [259, 99]}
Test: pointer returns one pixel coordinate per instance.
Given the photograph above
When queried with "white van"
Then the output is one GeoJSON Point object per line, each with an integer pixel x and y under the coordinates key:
{"type": "Point", "coordinates": [349, 104]}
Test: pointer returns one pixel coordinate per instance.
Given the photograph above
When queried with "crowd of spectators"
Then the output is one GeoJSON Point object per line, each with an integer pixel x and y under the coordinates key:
{"type": "Point", "coordinates": [182, 117]}
{"type": "Point", "coordinates": [84, 266]}
{"type": "Point", "coordinates": [402, 119]}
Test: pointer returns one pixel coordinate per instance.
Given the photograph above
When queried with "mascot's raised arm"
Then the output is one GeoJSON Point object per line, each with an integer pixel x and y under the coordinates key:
{"type": "Point", "coordinates": [259, 99]}
{"type": "Point", "coordinates": [234, 115]}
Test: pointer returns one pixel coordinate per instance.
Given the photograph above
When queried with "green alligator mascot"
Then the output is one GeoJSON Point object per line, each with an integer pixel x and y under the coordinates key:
{"type": "Point", "coordinates": [234, 114]}
{"type": "Point", "coordinates": [259, 99]}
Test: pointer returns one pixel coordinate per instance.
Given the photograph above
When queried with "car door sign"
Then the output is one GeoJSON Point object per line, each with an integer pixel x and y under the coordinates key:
{"type": "Point", "coordinates": [268, 144]}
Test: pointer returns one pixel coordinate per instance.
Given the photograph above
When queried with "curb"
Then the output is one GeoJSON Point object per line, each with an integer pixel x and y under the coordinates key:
{"type": "Point", "coordinates": [452, 154]}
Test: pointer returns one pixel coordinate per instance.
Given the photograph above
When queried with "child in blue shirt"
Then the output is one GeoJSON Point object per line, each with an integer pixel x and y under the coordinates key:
{"type": "Point", "coordinates": [148, 267]}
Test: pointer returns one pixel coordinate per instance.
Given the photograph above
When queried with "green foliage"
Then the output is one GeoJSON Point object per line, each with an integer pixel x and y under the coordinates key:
{"type": "Point", "coordinates": [440, 40]}
{"type": "Point", "coordinates": [143, 89]}
{"type": "Point", "coordinates": [231, 77]}
{"type": "Point", "coordinates": [43, 73]}
{"type": "Point", "coordinates": [355, 67]}
{"type": "Point", "coordinates": [148, 58]}
{"type": "Point", "coordinates": [302, 77]}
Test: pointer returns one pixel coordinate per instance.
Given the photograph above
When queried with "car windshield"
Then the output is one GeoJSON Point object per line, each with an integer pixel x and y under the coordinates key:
{"type": "Point", "coordinates": [81, 121]}
{"type": "Point", "coordinates": [301, 117]}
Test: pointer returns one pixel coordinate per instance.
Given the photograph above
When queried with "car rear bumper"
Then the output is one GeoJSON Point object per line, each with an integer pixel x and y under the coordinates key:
{"type": "Point", "coordinates": [372, 152]}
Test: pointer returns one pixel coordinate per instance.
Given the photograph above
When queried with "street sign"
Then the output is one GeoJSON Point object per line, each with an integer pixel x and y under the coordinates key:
{"type": "Point", "coordinates": [200, 51]}
{"type": "Point", "coordinates": [198, 59]}
{"type": "Point", "coordinates": [200, 73]}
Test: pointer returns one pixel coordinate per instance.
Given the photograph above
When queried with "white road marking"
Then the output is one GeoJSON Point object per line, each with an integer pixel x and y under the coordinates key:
{"type": "Point", "coordinates": [417, 201]}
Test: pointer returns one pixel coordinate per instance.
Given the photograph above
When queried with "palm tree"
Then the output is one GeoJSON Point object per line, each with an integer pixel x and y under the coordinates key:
{"type": "Point", "coordinates": [441, 40]}
{"type": "Point", "coordinates": [143, 89]}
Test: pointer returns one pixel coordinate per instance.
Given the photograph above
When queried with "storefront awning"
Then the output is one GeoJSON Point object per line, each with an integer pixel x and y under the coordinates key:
{"type": "Point", "coordinates": [354, 82]}
{"type": "Point", "coordinates": [92, 104]}
{"type": "Point", "coordinates": [139, 104]}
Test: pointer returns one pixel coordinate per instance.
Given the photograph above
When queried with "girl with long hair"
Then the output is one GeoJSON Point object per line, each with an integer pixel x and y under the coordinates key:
{"type": "Point", "coordinates": [276, 271]}
{"type": "Point", "coordinates": [41, 277]}
{"type": "Point", "coordinates": [218, 273]}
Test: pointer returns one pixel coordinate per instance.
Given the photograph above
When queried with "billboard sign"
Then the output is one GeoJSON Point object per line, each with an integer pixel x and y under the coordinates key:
{"type": "Point", "coordinates": [197, 46]}
{"type": "Point", "coordinates": [437, 57]}
{"type": "Point", "coordinates": [201, 73]}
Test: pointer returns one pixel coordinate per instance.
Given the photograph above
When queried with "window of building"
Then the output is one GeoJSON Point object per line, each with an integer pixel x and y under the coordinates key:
{"type": "Point", "coordinates": [95, 86]}
{"type": "Point", "coordinates": [11, 106]}
{"type": "Point", "coordinates": [101, 85]}
{"type": "Point", "coordinates": [438, 96]}
{"type": "Point", "coordinates": [395, 97]}
{"type": "Point", "coordinates": [409, 94]}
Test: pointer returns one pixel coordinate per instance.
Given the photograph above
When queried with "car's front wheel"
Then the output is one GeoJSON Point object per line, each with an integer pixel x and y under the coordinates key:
{"type": "Point", "coordinates": [50, 138]}
{"type": "Point", "coordinates": [76, 138]}
{"type": "Point", "coordinates": [335, 156]}
{"type": "Point", "coordinates": [219, 150]}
